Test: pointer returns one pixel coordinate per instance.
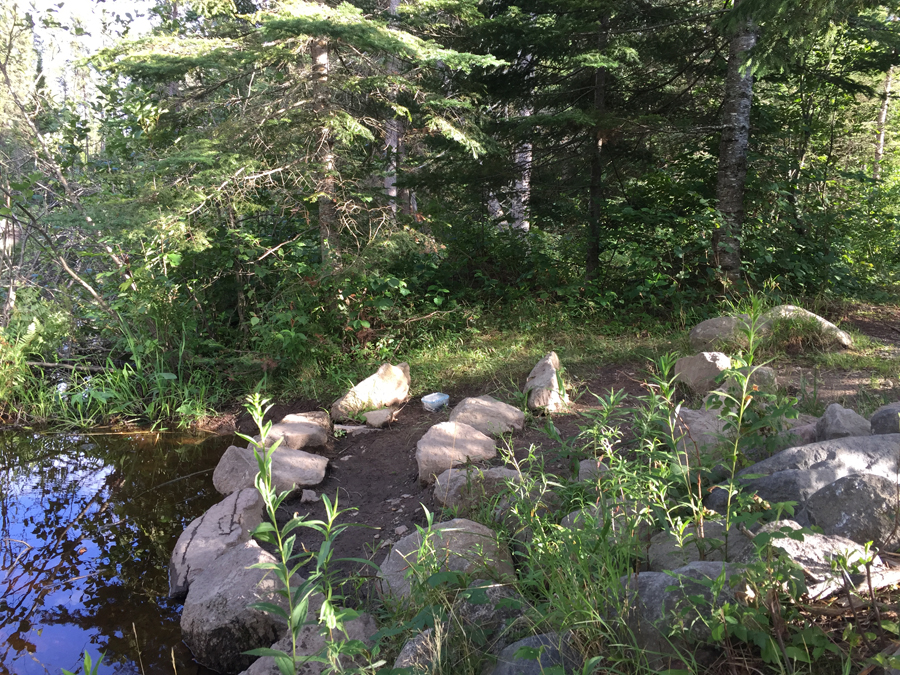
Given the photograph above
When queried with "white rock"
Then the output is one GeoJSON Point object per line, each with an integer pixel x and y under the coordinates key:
{"type": "Point", "coordinates": [450, 444]}
{"type": "Point", "coordinates": [789, 312]}
{"type": "Point", "coordinates": [699, 372]}
{"type": "Point", "coordinates": [389, 386]}
{"type": "Point", "coordinates": [378, 419]}
{"type": "Point", "coordinates": [225, 525]}
{"type": "Point", "coordinates": [290, 469]}
{"type": "Point", "coordinates": [301, 430]}
{"type": "Point", "coordinates": [543, 386]}
{"type": "Point", "coordinates": [490, 416]}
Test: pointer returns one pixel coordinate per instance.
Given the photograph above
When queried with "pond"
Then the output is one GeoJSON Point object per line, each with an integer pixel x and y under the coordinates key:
{"type": "Point", "coordinates": [87, 525]}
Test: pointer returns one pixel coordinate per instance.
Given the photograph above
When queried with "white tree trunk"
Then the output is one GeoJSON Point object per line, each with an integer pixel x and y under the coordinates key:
{"type": "Point", "coordinates": [882, 121]}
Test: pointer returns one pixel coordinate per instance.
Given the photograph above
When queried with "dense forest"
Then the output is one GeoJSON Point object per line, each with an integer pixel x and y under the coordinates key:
{"type": "Point", "coordinates": [281, 190]}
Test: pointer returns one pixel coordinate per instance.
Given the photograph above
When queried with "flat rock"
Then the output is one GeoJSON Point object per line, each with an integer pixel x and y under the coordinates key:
{"type": "Point", "coordinates": [450, 444]}
{"type": "Point", "coordinates": [554, 652]}
{"type": "Point", "coordinates": [469, 488]}
{"type": "Point", "coordinates": [311, 642]}
{"type": "Point", "coordinates": [291, 469]}
{"type": "Point", "coordinates": [490, 416]}
{"type": "Point", "coordinates": [301, 430]}
{"type": "Point", "coordinates": [668, 551]}
{"type": "Point", "coordinates": [797, 473]}
{"type": "Point", "coordinates": [886, 420]}
{"type": "Point", "coordinates": [841, 422]}
{"type": "Point", "coordinates": [217, 623]}
{"type": "Point", "coordinates": [459, 545]}
{"type": "Point", "coordinates": [543, 387]}
{"type": "Point", "coordinates": [378, 419]}
{"type": "Point", "coordinates": [387, 387]}
{"type": "Point", "coordinates": [721, 331]}
{"type": "Point", "coordinates": [790, 312]}
{"type": "Point", "coordinates": [859, 507]}
{"type": "Point", "coordinates": [699, 372]}
{"type": "Point", "coordinates": [225, 525]}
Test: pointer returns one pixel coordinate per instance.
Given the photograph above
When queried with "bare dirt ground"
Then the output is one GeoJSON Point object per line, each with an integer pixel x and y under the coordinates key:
{"type": "Point", "coordinates": [375, 476]}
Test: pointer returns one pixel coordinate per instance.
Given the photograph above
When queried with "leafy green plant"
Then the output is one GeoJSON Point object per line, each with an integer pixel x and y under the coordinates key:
{"type": "Point", "coordinates": [90, 667]}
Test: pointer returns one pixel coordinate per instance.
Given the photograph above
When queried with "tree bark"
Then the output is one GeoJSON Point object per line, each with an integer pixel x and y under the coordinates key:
{"type": "Point", "coordinates": [522, 158]}
{"type": "Point", "coordinates": [595, 207]}
{"type": "Point", "coordinates": [392, 131]}
{"type": "Point", "coordinates": [882, 121]}
{"type": "Point", "coordinates": [328, 218]}
{"type": "Point", "coordinates": [732, 173]}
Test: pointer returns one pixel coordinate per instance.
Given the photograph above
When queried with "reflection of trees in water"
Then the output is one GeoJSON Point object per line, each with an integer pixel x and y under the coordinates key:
{"type": "Point", "coordinates": [96, 522]}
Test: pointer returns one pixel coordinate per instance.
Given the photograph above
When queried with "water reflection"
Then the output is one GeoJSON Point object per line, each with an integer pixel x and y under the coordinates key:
{"type": "Point", "coordinates": [87, 524]}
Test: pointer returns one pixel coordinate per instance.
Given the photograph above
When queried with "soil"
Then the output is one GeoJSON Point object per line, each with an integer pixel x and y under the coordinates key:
{"type": "Point", "coordinates": [374, 475]}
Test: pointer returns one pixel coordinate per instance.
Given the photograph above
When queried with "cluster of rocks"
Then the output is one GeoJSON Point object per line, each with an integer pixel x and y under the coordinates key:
{"type": "Point", "coordinates": [215, 565]}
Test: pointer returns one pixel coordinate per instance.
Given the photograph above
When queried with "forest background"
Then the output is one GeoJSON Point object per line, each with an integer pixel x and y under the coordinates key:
{"type": "Point", "coordinates": [287, 193]}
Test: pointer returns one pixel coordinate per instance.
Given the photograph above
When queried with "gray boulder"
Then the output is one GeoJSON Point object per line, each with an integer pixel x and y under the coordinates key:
{"type": "Point", "coordinates": [458, 545]}
{"type": "Point", "coordinates": [225, 525]}
{"type": "Point", "coordinates": [450, 444]}
{"type": "Point", "coordinates": [217, 623]}
{"type": "Point", "coordinates": [797, 473]}
{"type": "Point", "coordinates": [859, 507]}
{"type": "Point", "coordinates": [378, 419]}
{"type": "Point", "coordinates": [486, 613]}
{"type": "Point", "coordinates": [699, 372]}
{"type": "Point", "coordinates": [841, 422]}
{"type": "Point", "coordinates": [418, 653]}
{"type": "Point", "coordinates": [665, 613]}
{"type": "Point", "coordinates": [813, 552]}
{"type": "Point", "coordinates": [628, 522]}
{"type": "Point", "coordinates": [469, 488]}
{"type": "Point", "coordinates": [722, 331]}
{"type": "Point", "coordinates": [301, 430]}
{"type": "Point", "coordinates": [554, 651]}
{"type": "Point", "coordinates": [591, 470]}
{"type": "Point", "coordinates": [490, 416]}
{"type": "Point", "coordinates": [699, 434]}
{"type": "Point", "coordinates": [886, 420]}
{"type": "Point", "coordinates": [792, 313]}
{"type": "Point", "coordinates": [668, 551]}
{"type": "Point", "coordinates": [312, 642]}
{"type": "Point", "coordinates": [388, 386]}
{"type": "Point", "coordinates": [291, 469]}
{"type": "Point", "coordinates": [545, 393]}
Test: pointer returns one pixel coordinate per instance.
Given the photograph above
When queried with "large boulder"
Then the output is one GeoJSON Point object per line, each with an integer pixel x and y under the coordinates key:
{"type": "Point", "coordinates": [388, 386]}
{"type": "Point", "coordinates": [628, 521]}
{"type": "Point", "coordinates": [418, 653]}
{"type": "Point", "coordinates": [791, 313]}
{"type": "Point", "coordinates": [291, 469]}
{"type": "Point", "coordinates": [490, 416]}
{"type": "Point", "coordinates": [699, 434]}
{"type": "Point", "coordinates": [841, 422]}
{"type": "Point", "coordinates": [859, 507]}
{"type": "Point", "coordinates": [312, 642]}
{"type": "Point", "coordinates": [450, 444]}
{"type": "Point", "coordinates": [301, 430]}
{"type": "Point", "coordinates": [699, 372]}
{"type": "Point", "coordinates": [486, 613]}
{"type": "Point", "coordinates": [469, 488]}
{"type": "Point", "coordinates": [797, 473]}
{"type": "Point", "coordinates": [549, 650]}
{"type": "Point", "coordinates": [591, 470]}
{"type": "Point", "coordinates": [886, 420]}
{"type": "Point", "coordinates": [721, 331]}
{"type": "Point", "coordinates": [814, 553]}
{"type": "Point", "coordinates": [544, 388]}
{"type": "Point", "coordinates": [458, 545]}
{"type": "Point", "coordinates": [225, 525]}
{"type": "Point", "coordinates": [663, 611]}
{"type": "Point", "coordinates": [217, 623]}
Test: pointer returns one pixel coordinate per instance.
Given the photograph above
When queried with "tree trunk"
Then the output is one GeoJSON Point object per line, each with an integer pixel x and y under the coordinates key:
{"type": "Point", "coordinates": [522, 157]}
{"type": "Point", "coordinates": [732, 173]}
{"type": "Point", "coordinates": [595, 207]}
{"type": "Point", "coordinates": [882, 120]}
{"type": "Point", "coordinates": [392, 129]}
{"type": "Point", "coordinates": [328, 218]}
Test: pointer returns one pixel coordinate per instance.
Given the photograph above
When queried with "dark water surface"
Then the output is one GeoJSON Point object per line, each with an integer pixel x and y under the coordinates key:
{"type": "Point", "coordinates": [87, 524]}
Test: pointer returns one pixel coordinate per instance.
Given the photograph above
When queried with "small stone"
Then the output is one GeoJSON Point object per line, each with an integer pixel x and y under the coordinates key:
{"type": "Point", "coordinates": [378, 419]}
{"type": "Point", "coordinates": [346, 458]}
{"type": "Point", "coordinates": [400, 531]}
{"type": "Point", "coordinates": [308, 496]}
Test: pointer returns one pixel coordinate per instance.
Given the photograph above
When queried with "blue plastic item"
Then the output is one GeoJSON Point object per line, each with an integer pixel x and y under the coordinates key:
{"type": "Point", "coordinates": [436, 401]}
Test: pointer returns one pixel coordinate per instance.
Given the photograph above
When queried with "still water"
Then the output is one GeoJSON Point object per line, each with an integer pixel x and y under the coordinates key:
{"type": "Point", "coordinates": [87, 524]}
